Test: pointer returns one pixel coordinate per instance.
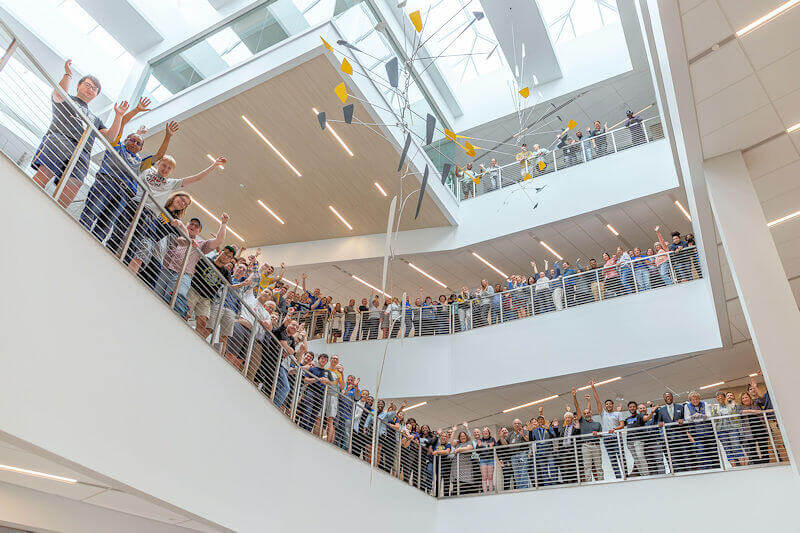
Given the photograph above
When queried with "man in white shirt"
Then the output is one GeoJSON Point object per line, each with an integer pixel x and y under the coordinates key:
{"type": "Point", "coordinates": [609, 419]}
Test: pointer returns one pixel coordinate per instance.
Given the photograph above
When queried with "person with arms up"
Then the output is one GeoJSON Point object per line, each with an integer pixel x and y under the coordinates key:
{"type": "Point", "coordinates": [590, 432]}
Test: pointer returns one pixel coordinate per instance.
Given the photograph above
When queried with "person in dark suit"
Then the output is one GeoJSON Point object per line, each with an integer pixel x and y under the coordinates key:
{"type": "Point", "coordinates": [566, 449]}
{"type": "Point", "coordinates": [675, 435]}
{"type": "Point", "coordinates": [544, 457]}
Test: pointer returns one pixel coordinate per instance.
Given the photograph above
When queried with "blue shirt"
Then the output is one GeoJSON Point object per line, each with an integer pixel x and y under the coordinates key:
{"type": "Point", "coordinates": [383, 418]}
{"type": "Point", "coordinates": [110, 167]}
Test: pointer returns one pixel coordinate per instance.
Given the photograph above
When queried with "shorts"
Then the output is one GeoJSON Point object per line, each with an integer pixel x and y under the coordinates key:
{"type": "Point", "coordinates": [199, 305]}
{"type": "Point", "coordinates": [226, 322]}
{"type": "Point", "coordinates": [333, 404]}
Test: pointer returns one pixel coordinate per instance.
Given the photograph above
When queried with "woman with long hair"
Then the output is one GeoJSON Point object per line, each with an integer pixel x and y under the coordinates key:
{"type": "Point", "coordinates": [755, 439]}
{"type": "Point", "coordinates": [486, 460]}
{"type": "Point", "coordinates": [461, 469]}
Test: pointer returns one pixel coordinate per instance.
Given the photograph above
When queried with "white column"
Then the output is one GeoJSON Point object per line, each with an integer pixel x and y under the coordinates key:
{"type": "Point", "coordinates": [764, 293]}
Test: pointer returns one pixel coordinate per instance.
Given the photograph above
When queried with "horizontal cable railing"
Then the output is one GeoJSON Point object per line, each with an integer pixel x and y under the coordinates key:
{"type": "Point", "coordinates": [545, 296]}
{"type": "Point", "coordinates": [133, 221]}
{"type": "Point", "coordinates": [469, 183]}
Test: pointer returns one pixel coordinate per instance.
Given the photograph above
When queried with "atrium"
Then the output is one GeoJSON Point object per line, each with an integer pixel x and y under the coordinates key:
{"type": "Point", "coordinates": [445, 264]}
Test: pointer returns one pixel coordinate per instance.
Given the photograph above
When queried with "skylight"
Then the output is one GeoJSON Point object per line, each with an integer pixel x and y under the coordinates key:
{"type": "Point", "coordinates": [568, 19]}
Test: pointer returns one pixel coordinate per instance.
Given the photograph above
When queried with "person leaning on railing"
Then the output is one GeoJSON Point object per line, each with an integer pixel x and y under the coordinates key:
{"type": "Point", "coordinates": [65, 131]}
{"type": "Point", "coordinates": [729, 427]}
{"type": "Point", "coordinates": [590, 431]}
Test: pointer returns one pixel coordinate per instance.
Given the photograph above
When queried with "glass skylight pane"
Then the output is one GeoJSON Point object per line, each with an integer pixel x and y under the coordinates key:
{"type": "Point", "coordinates": [319, 12]}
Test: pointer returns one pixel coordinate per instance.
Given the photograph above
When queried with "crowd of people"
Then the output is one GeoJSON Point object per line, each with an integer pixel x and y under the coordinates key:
{"type": "Point", "coordinates": [538, 160]}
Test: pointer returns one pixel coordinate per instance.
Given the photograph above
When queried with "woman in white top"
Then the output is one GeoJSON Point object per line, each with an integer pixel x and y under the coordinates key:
{"type": "Point", "coordinates": [394, 316]}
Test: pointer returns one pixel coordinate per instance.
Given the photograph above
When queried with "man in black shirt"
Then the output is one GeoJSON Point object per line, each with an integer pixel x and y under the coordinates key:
{"type": "Point", "coordinates": [635, 437]}
{"type": "Point", "coordinates": [317, 378]}
{"type": "Point", "coordinates": [208, 279]}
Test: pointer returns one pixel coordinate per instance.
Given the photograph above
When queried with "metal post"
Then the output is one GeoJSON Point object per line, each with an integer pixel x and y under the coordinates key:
{"type": "Point", "coordinates": [577, 462]}
{"type": "Point", "coordinates": [600, 288]}
{"type": "Point", "coordinates": [672, 267]}
{"type": "Point", "coordinates": [351, 424]}
{"type": "Point", "coordinates": [180, 275]}
{"type": "Point", "coordinates": [298, 381]}
{"type": "Point", "coordinates": [129, 236]}
{"type": "Point", "coordinates": [250, 344]}
{"type": "Point", "coordinates": [73, 160]}
{"type": "Point", "coordinates": [771, 438]}
{"type": "Point", "coordinates": [494, 478]}
{"type": "Point", "coordinates": [621, 457]}
{"type": "Point", "coordinates": [9, 52]}
{"type": "Point", "coordinates": [555, 165]}
{"type": "Point", "coordinates": [458, 474]}
{"type": "Point", "coordinates": [322, 413]}
{"type": "Point", "coordinates": [644, 129]}
{"type": "Point", "coordinates": [218, 318]}
{"type": "Point", "coordinates": [718, 444]}
{"type": "Point", "coordinates": [473, 188]}
{"type": "Point", "coordinates": [419, 466]}
{"type": "Point", "coordinates": [535, 466]}
{"type": "Point", "coordinates": [564, 292]}
{"type": "Point", "coordinates": [613, 142]}
{"type": "Point", "coordinates": [472, 311]}
{"type": "Point", "coordinates": [533, 304]}
{"type": "Point", "coordinates": [633, 274]}
{"type": "Point", "coordinates": [437, 476]}
{"type": "Point", "coordinates": [666, 448]}
{"type": "Point", "coordinates": [583, 149]}
{"type": "Point", "coordinates": [277, 373]}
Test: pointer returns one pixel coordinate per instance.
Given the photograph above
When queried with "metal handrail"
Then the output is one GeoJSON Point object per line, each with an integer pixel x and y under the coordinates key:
{"type": "Point", "coordinates": [439, 319]}
{"type": "Point", "coordinates": [575, 152]}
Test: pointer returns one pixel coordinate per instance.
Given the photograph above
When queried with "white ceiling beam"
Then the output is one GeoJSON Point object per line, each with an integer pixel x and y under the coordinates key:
{"type": "Point", "coordinates": [125, 23]}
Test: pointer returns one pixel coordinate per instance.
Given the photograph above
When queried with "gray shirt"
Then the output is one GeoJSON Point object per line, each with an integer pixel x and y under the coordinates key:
{"type": "Point", "coordinates": [589, 427]}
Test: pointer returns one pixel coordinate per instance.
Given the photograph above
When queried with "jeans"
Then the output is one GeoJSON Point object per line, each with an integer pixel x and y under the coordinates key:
{"type": "Point", "coordinates": [166, 282]}
{"type": "Point", "coordinates": [465, 318]}
{"type": "Point", "coordinates": [495, 314]}
{"type": "Point", "coordinates": [519, 463]}
{"type": "Point", "coordinates": [348, 330]}
{"type": "Point", "coordinates": [104, 207]}
{"type": "Point", "coordinates": [626, 275]}
{"type": "Point", "coordinates": [663, 271]}
{"type": "Point", "coordinates": [281, 387]}
{"type": "Point", "coordinates": [642, 279]}
{"type": "Point", "coordinates": [612, 449]}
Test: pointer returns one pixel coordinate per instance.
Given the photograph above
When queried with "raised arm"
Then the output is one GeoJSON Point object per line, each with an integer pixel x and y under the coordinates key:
{"type": "Point", "coordinates": [205, 172]}
{"type": "Point", "coordinates": [111, 133]}
{"type": "Point", "coordinates": [589, 403]}
{"type": "Point", "coordinates": [596, 397]}
{"type": "Point", "coordinates": [141, 107]}
{"type": "Point", "coordinates": [535, 268]}
{"type": "Point", "coordinates": [661, 241]}
{"type": "Point", "coordinates": [575, 403]}
{"type": "Point", "coordinates": [64, 83]}
{"type": "Point", "coordinates": [172, 129]}
{"type": "Point", "coordinates": [220, 238]}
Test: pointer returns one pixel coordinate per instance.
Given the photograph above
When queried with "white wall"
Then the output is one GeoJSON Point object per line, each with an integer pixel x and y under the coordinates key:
{"type": "Point", "coordinates": [99, 372]}
{"type": "Point", "coordinates": [558, 343]}
{"type": "Point", "coordinates": [694, 503]}
{"type": "Point", "coordinates": [614, 179]}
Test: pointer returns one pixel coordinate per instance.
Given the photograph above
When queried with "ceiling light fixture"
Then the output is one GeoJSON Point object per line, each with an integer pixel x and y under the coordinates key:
{"type": "Point", "coordinates": [212, 215]}
{"type": "Point", "coordinates": [335, 212]}
{"type": "Point", "coordinates": [783, 219]}
{"type": "Point", "coordinates": [602, 383]}
{"type": "Point", "coordinates": [420, 404]}
{"type": "Point", "coordinates": [370, 285]}
{"type": "Point", "coordinates": [378, 185]}
{"type": "Point", "coordinates": [336, 135]}
{"type": "Point", "coordinates": [271, 212]}
{"type": "Point", "coordinates": [683, 210]}
{"type": "Point", "coordinates": [418, 269]}
{"type": "Point", "coordinates": [264, 138]}
{"type": "Point", "coordinates": [718, 383]}
{"type": "Point", "coordinates": [34, 473]}
{"type": "Point", "coordinates": [781, 9]}
{"type": "Point", "coordinates": [754, 374]}
{"type": "Point", "coordinates": [487, 263]}
{"type": "Point", "coordinates": [612, 230]}
{"type": "Point", "coordinates": [551, 250]}
{"type": "Point", "coordinates": [214, 160]}
{"type": "Point", "coordinates": [792, 129]}
{"type": "Point", "coordinates": [531, 403]}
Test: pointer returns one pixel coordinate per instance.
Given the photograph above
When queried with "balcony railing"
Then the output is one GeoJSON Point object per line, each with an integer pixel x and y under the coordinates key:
{"type": "Point", "coordinates": [485, 179]}
{"type": "Point", "coordinates": [564, 292]}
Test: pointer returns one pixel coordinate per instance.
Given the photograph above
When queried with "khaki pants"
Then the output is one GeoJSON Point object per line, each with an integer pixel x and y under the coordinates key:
{"type": "Point", "coordinates": [597, 289]}
{"type": "Point", "coordinates": [592, 461]}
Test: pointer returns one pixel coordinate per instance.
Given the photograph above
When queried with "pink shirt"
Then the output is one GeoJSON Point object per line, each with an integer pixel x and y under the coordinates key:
{"type": "Point", "coordinates": [661, 257]}
{"type": "Point", "coordinates": [173, 259]}
{"type": "Point", "coordinates": [607, 271]}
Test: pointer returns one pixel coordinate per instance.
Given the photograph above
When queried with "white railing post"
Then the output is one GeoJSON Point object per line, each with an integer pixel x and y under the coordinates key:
{"type": "Point", "coordinates": [663, 433]}
{"type": "Point", "coordinates": [633, 275]}
{"type": "Point", "coordinates": [564, 293]}
{"type": "Point", "coordinates": [718, 444]}
{"type": "Point", "coordinates": [9, 52]}
{"type": "Point", "coordinates": [73, 161]}
{"type": "Point", "coordinates": [583, 150]}
{"type": "Point", "coordinates": [613, 141]}
{"type": "Point", "coordinates": [771, 438]}
{"type": "Point", "coordinates": [672, 267]}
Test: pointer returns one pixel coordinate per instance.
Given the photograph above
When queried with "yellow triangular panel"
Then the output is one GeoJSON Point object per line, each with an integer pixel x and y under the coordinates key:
{"type": "Point", "coordinates": [525, 92]}
{"type": "Point", "coordinates": [571, 124]}
{"type": "Point", "coordinates": [347, 68]}
{"type": "Point", "coordinates": [476, 180]}
{"type": "Point", "coordinates": [527, 177]}
{"type": "Point", "coordinates": [341, 92]}
{"type": "Point", "coordinates": [327, 44]}
{"type": "Point", "coordinates": [416, 20]}
{"type": "Point", "coordinates": [450, 134]}
{"type": "Point", "coordinates": [469, 149]}
{"type": "Point", "coordinates": [541, 165]}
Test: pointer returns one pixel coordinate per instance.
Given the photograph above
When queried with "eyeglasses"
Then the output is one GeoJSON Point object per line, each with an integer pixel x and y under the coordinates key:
{"type": "Point", "coordinates": [91, 86]}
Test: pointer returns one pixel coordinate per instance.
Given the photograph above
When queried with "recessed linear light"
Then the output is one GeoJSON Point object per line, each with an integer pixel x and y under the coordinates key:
{"type": "Point", "coordinates": [264, 138]}
{"type": "Point", "coordinates": [531, 403]}
{"type": "Point", "coordinates": [214, 160]}
{"type": "Point", "coordinates": [487, 263]}
{"type": "Point", "coordinates": [683, 210]}
{"type": "Point", "coordinates": [612, 230]}
{"type": "Point", "coordinates": [602, 383]}
{"type": "Point", "coordinates": [212, 215]}
{"type": "Point", "coordinates": [336, 135]}
{"type": "Point", "coordinates": [551, 250]}
{"type": "Point", "coordinates": [792, 129]}
{"type": "Point", "coordinates": [783, 8]}
{"type": "Point", "coordinates": [783, 219]}
{"type": "Point", "coordinates": [370, 285]}
{"type": "Point", "coordinates": [754, 374]}
{"type": "Point", "coordinates": [335, 212]}
{"type": "Point", "coordinates": [420, 404]}
{"type": "Point", "coordinates": [34, 473]}
{"type": "Point", "coordinates": [271, 212]}
{"type": "Point", "coordinates": [712, 385]}
{"type": "Point", "coordinates": [378, 185]}
{"type": "Point", "coordinates": [436, 281]}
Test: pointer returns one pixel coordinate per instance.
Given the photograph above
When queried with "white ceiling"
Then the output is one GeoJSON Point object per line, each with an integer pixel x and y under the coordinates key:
{"type": "Point", "coordinates": [88, 489]}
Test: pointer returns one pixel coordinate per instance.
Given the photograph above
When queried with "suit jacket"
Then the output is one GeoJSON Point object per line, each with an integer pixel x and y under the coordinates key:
{"type": "Point", "coordinates": [662, 415]}
{"type": "Point", "coordinates": [561, 432]}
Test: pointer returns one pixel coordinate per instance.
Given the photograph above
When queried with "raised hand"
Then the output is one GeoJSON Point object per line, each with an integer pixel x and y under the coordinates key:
{"type": "Point", "coordinates": [221, 160]}
{"type": "Point", "coordinates": [657, 228]}
{"type": "Point", "coordinates": [142, 131]}
{"type": "Point", "coordinates": [121, 108]}
{"type": "Point", "coordinates": [68, 68]}
{"type": "Point", "coordinates": [225, 218]}
{"type": "Point", "coordinates": [172, 128]}
{"type": "Point", "coordinates": [143, 105]}
{"type": "Point", "coordinates": [573, 393]}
